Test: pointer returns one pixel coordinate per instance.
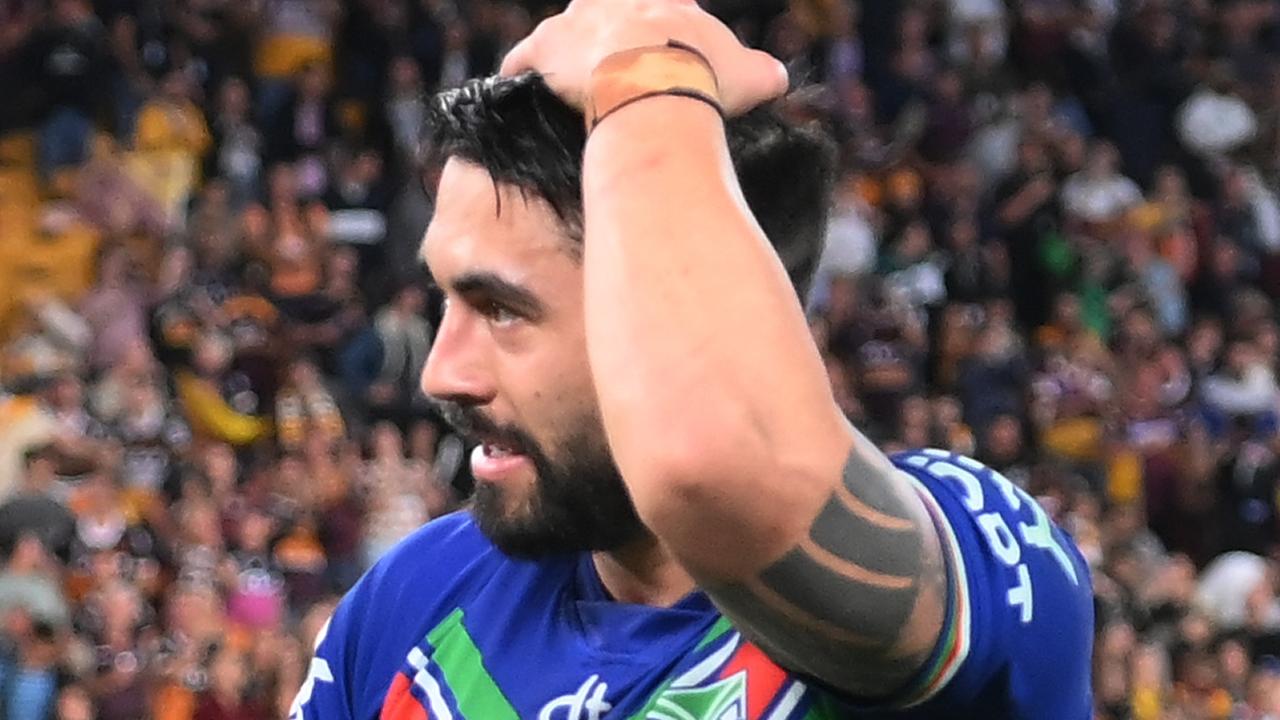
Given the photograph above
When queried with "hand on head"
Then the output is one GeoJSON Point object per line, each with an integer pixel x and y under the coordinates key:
{"type": "Point", "coordinates": [566, 48]}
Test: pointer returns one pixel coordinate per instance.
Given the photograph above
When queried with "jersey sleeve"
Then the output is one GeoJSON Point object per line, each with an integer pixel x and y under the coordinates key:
{"type": "Point", "coordinates": [365, 642]}
{"type": "Point", "coordinates": [1017, 640]}
{"type": "Point", "coordinates": [326, 692]}
{"type": "Point", "coordinates": [359, 648]}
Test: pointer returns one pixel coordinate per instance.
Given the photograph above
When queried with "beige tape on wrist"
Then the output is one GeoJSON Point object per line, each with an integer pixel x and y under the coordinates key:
{"type": "Point", "coordinates": [632, 75]}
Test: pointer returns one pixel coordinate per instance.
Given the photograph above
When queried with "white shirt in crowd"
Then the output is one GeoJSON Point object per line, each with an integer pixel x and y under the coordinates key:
{"type": "Point", "coordinates": [1212, 123]}
{"type": "Point", "coordinates": [1099, 199]}
{"type": "Point", "coordinates": [850, 248]}
{"type": "Point", "coordinates": [1255, 391]}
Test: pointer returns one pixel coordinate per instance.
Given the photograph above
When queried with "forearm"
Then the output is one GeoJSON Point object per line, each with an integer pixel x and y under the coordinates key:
{"type": "Point", "coordinates": [713, 396]}
{"type": "Point", "coordinates": [737, 458]}
{"type": "Point", "coordinates": [698, 346]}
{"type": "Point", "coordinates": [859, 600]}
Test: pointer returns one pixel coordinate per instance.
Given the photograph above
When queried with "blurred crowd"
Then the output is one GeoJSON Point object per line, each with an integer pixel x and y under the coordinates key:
{"type": "Point", "coordinates": [1055, 246]}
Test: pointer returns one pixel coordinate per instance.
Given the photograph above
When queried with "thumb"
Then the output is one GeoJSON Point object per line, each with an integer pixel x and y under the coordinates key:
{"type": "Point", "coordinates": [777, 79]}
{"type": "Point", "coordinates": [763, 78]}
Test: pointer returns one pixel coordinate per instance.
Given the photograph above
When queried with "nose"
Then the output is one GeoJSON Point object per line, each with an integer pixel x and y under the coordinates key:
{"type": "Point", "coordinates": [456, 368]}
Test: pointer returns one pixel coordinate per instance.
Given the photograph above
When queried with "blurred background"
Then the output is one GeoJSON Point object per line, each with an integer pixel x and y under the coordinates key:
{"type": "Point", "coordinates": [1055, 246]}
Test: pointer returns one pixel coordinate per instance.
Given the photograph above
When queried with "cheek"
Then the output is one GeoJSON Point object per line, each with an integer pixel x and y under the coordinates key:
{"type": "Point", "coordinates": [563, 422]}
{"type": "Point", "coordinates": [548, 379]}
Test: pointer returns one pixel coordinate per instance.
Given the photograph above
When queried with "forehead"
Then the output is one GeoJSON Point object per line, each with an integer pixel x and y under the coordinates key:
{"type": "Point", "coordinates": [482, 226]}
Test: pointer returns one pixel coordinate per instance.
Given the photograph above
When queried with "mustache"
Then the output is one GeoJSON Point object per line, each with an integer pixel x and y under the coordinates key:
{"type": "Point", "coordinates": [474, 426]}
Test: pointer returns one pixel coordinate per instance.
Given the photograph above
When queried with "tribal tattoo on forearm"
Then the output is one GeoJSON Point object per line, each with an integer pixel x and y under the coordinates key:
{"type": "Point", "coordinates": [859, 602]}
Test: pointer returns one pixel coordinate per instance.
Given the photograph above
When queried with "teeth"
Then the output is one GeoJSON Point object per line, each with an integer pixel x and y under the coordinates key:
{"type": "Point", "coordinates": [496, 451]}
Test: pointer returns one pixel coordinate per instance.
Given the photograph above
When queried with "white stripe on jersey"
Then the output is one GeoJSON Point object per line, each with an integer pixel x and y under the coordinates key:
{"type": "Point", "coordinates": [422, 678]}
{"type": "Point", "coordinates": [709, 664]}
{"type": "Point", "coordinates": [788, 702]}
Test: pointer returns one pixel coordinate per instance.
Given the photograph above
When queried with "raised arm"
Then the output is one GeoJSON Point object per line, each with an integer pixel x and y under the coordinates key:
{"type": "Point", "coordinates": [735, 453]}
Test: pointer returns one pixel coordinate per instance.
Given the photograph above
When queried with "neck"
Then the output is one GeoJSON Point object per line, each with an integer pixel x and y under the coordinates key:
{"type": "Point", "coordinates": [643, 573]}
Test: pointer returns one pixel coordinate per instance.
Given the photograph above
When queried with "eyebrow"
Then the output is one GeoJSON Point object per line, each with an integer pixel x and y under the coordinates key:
{"type": "Point", "coordinates": [487, 285]}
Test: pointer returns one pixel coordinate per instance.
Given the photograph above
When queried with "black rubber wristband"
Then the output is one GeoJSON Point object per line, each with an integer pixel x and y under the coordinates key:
{"type": "Point", "coordinates": [678, 92]}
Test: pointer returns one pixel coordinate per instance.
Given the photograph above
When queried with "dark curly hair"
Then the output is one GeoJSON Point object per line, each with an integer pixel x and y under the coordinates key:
{"type": "Point", "coordinates": [518, 130]}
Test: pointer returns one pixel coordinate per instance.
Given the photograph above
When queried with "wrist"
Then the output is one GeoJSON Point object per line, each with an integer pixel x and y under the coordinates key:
{"type": "Point", "coordinates": [662, 135]}
{"type": "Point", "coordinates": [638, 74]}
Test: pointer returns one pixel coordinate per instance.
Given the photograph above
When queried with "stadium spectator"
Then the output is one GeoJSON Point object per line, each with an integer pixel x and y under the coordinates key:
{"type": "Point", "coordinates": [69, 54]}
{"type": "Point", "coordinates": [35, 509]}
{"type": "Point", "coordinates": [1215, 120]}
{"type": "Point", "coordinates": [29, 677]}
{"type": "Point", "coordinates": [405, 336]}
{"type": "Point", "coordinates": [29, 583]}
{"type": "Point", "coordinates": [238, 146]}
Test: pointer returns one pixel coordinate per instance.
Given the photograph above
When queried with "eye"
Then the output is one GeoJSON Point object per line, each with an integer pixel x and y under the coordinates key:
{"type": "Point", "coordinates": [499, 314]}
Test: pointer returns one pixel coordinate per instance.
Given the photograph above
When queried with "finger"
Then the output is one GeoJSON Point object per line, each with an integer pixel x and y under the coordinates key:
{"type": "Point", "coordinates": [775, 79]}
{"type": "Point", "coordinates": [521, 56]}
{"type": "Point", "coordinates": [760, 79]}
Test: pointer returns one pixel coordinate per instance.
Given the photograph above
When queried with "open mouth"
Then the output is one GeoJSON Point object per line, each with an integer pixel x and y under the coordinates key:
{"type": "Point", "coordinates": [495, 460]}
{"type": "Point", "coordinates": [497, 449]}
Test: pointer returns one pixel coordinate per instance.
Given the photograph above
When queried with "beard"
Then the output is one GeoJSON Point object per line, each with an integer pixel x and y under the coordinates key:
{"type": "Point", "coordinates": [578, 502]}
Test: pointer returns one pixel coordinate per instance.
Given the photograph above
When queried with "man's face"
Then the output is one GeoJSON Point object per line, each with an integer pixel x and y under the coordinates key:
{"type": "Point", "coordinates": [509, 367]}
{"type": "Point", "coordinates": [66, 394]}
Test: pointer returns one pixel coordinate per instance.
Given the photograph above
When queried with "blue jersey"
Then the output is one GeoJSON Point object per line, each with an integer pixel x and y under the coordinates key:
{"type": "Point", "coordinates": [447, 627]}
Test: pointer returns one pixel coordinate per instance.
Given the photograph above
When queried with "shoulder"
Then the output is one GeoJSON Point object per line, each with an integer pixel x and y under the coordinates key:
{"type": "Point", "coordinates": [406, 593]}
{"type": "Point", "coordinates": [430, 567]}
{"type": "Point", "coordinates": [457, 528]}
{"type": "Point", "coordinates": [449, 548]}
{"type": "Point", "coordinates": [1021, 607]}
{"type": "Point", "coordinates": [386, 322]}
{"type": "Point", "coordinates": [947, 475]}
